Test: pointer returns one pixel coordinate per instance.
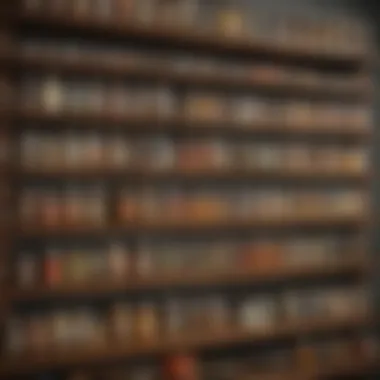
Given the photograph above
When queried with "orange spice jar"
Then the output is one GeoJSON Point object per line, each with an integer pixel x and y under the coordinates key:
{"type": "Point", "coordinates": [129, 207]}
{"type": "Point", "coordinates": [146, 322]}
{"type": "Point", "coordinates": [267, 255]}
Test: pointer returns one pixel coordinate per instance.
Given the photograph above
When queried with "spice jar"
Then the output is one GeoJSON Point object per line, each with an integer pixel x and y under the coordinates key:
{"type": "Point", "coordinates": [51, 209]}
{"type": "Point", "coordinates": [16, 337]}
{"type": "Point", "coordinates": [160, 154]}
{"type": "Point", "coordinates": [204, 107]}
{"type": "Point", "coordinates": [145, 11]}
{"type": "Point", "coordinates": [29, 207]}
{"type": "Point", "coordinates": [94, 207]}
{"type": "Point", "coordinates": [146, 322]}
{"type": "Point", "coordinates": [30, 151]}
{"type": "Point", "coordinates": [26, 270]}
{"type": "Point", "coordinates": [53, 268]}
{"type": "Point", "coordinates": [298, 115]}
{"type": "Point", "coordinates": [257, 313]}
{"type": "Point", "coordinates": [356, 161]}
{"type": "Point", "coordinates": [125, 9]}
{"type": "Point", "coordinates": [129, 208]}
{"type": "Point", "coordinates": [77, 266]}
{"type": "Point", "coordinates": [174, 318]}
{"type": "Point", "coordinates": [121, 323]}
{"type": "Point", "coordinates": [93, 153]}
{"type": "Point", "coordinates": [33, 5]}
{"type": "Point", "coordinates": [181, 367]}
{"type": "Point", "coordinates": [52, 94]}
{"type": "Point", "coordinates": [118, 262]}
{"type": "Point", "coordinates": [165, 102]}
{"type": "Point", "coordinates": [74, 151]}
{"type": "Point", "coordinates": [119, 100]}
{"type": "Point", "coordinates": [39, 334]}
{"type": "Point", "coordinates": [104, 9]}
{"type": "Point", "coordinates": [230, 23]}
{"type": "Point", "coordinates": [82, 8]}
{"type": "Point", "coordinates": [298, 157]}
{"type": "Point", "coordinates": [74, 206]}
{"type": "Point", "coordinates": [118, 153]}
{"type": "Point", "coordinates": [144, 265]}
{"type": "Point", "coordinates": [218, 314]}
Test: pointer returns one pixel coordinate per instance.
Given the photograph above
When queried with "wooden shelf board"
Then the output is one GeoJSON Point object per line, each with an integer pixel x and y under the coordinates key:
{"type": "Point", "coordinates": [358, 91]}
{"type": "Point", "coordinates": [178, 36]}
{"type": "Point", "coordinates": [140, 174]}
{"type": "Point", "coordinates": [196, 226]}
{"type": "Point", "coordinates": [154, 123]}
{"type": "Point", "coordinates": [113, 352]}
{"type": "Point", "coordinates": [187, 280]}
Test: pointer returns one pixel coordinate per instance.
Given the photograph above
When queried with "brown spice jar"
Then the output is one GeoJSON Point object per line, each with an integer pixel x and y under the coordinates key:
{"type": "Point", "coordinates": [51, 210]}
{"type": "Point", "coordinates": [146, 322]}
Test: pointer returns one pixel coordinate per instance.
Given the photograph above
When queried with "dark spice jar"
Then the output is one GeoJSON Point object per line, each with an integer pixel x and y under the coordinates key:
{"type": "Point", "coordinates": [181, 367]}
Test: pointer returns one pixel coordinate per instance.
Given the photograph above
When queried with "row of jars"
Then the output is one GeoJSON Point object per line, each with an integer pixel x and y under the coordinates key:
{"type": "Point", "coordinates": [78, 206]}
{"type": "Point", "coordinates": [175, 63]}
{"type": "Point", "coordinates": [119, 263]}
{"type": "Point", "coordinates": [327, 33]}
{"type": "Point", "coordinates": [54, 94]}
{"type": "Point", "coordinates": [209, 206]}
{"type": "Point", "coordinates": [320, 352]}
{"type": "Point", "coordinates": [151, 321]}
{"type": "Point", "coordinates": [93, 150]}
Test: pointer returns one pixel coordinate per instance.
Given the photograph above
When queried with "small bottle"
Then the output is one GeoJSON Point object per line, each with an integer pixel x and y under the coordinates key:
{"type": "Point", "coordinates": [118, 262]}
{"type": "Point", "coordinates": [51, 209]}
{"type": "Point", "coordinates": [174, 322]}
{"type": "Point", "coordinates": [146, 322]}
{"type": "Point", "coordinates": [29, 207]}
{"type": "Point", "coordinates": [35, 6]}
{"type": "Point", "coordinates": [82, 8]}
{"type": "Point", "coordinates": [73, 206]}
{"type": "Point", "coordinates": [94, 207]}
{"type": "Point", "coordinates": [53, 268]}
{"type": "Point", "coordinates": [121, 323]}
{"type": "Point", "coordinates": [16, 335]}
{"type": "Point", "coordinates": [52, 94]}
{"type": "Point", "coordinates": [39, 334]}
{"type": "Point", "coordinates": [27, 270]}
{"type": "Point", "coordinates": [144, 262]}
{"type": "Point", "coordinates": [73, 151]}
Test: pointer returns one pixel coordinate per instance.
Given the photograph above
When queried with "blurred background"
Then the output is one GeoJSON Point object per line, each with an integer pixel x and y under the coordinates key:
{"type": "Point", "coordinates": [188, 190]}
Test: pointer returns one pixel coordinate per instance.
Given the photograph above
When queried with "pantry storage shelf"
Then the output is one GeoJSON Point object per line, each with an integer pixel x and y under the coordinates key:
{"type": "Point", "coordinates": [184, 186]}
{"type": "Point", "coordinates": [233, 174]}
{"type": "Point", "coordinates": [137, 227]}
{"type": "Point", "coordinates": [178, 124]}
{"type": "Point", "coordinates": [157, 73]}
{"type": "Point", "coordinates": [355, 267]}
{"type": "Point", "coordinates": [180, 37]}
{"type": "Point", "coordinates": [201, 341]}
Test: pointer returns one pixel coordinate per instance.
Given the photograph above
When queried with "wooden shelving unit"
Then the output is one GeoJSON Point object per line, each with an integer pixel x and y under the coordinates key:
{"type": "Point", "coordinates": [311, 92]}
{"type": "Point", "coordinates": [202, 340]}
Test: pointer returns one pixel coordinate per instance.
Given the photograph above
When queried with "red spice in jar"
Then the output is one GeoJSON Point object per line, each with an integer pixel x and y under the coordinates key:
{"type": "Point", "coordinates": [53, 269]}
{"type": "Point", "coordinates": [181, 367]}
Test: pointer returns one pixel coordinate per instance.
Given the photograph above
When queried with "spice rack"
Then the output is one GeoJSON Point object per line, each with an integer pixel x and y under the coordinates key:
{"type": "Point", "coordinates": [185, 188]}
